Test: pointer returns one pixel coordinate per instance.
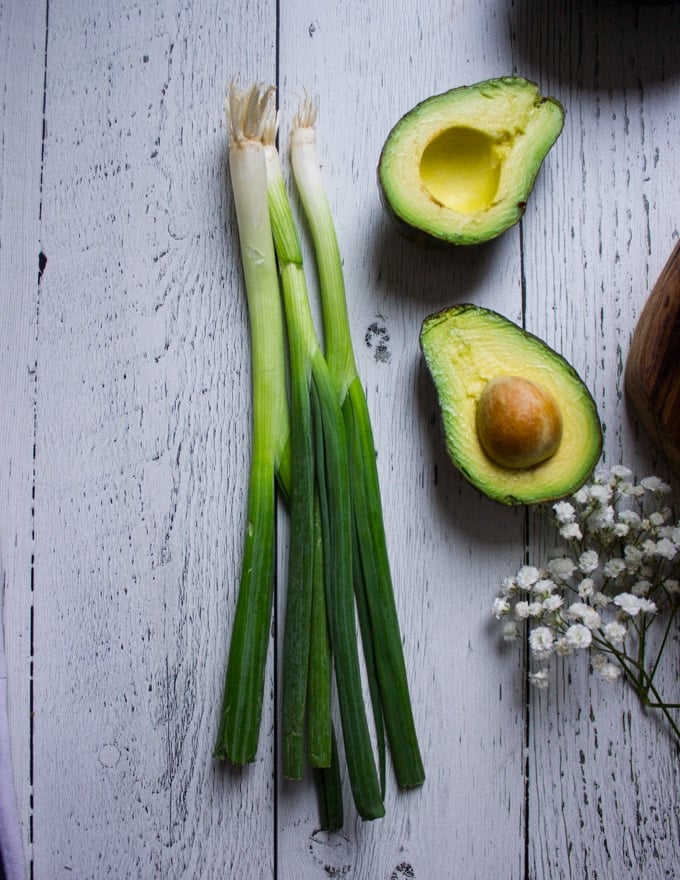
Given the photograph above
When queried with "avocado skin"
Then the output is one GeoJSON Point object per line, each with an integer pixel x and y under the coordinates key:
{"type": "Point", "coordinates": [415, 236]}
{"type": "Point", "coordinates": [454, 347]}
{"type": "Point", "coordinates": [515, 210]}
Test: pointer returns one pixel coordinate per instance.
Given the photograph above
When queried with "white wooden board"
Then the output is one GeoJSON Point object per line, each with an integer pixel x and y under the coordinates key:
{"type": "Point", "coordinates": [125, 443]}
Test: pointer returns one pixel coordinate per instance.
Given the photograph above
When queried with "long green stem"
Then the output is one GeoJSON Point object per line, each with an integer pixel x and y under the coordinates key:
{"type": "Point", "coordinates": [366, 501]}
{"type": "Point", "coordinates": [379, 595]}
{"type": "Point", "coordinates": [336, 517]}
{"type": "Point", "coordinates": [319, 721]}
{"type": "Point", "coordinates": [244, 683]}
{"type": "Point", "coordinates": [332, 477]}
{"type": "Point", "coordinates": [667, 630]}
{"type": "Point", "coordinates": [298, 614]}
{"type": "Point", "coordinates": [643, 683]}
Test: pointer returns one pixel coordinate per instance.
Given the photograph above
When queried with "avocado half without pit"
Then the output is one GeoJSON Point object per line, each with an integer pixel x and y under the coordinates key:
{"type": "Point", "coordinates": [518, 421]}
{"type": "Point", "coordinates": [459, 167]}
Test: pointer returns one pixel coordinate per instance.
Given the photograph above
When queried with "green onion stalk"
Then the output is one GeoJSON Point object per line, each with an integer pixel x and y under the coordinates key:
{"type": "Point", "coordinates": [244, 683]}
{"type": "Point", "coordinates": [371, 570]}
{"type": "Point", "coordinates": [318, 446]}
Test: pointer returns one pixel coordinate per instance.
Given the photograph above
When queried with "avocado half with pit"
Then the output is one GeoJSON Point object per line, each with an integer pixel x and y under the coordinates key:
{"type": "Point", "coordinates": [459, 167]}
{"type": "Point", "coordinates": [519, 422]}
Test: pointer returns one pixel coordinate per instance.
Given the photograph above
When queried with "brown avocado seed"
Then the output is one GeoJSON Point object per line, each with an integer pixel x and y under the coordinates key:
{"type": "Point", "coordinates": [519, 424]}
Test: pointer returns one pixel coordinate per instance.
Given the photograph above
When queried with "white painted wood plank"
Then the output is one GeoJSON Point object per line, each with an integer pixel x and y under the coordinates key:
{"type": "Point", "coordinates": [22, 41]}
{"type": "Point", "coordinates": [142, 449]}
{"type": "Point", "coordinates": [604, 798]}
{"type": "Point", "coordinates": [142, 403]}
{"type": "Point", "coordinates": [367, 65]}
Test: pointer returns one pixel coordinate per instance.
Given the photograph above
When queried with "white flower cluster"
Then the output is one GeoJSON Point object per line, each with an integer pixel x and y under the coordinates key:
{"type": "Point", "coordinates": [618, 567]}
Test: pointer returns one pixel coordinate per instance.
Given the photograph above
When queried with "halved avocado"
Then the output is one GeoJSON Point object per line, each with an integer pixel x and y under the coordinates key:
{"type": "Point", "coordinates": [519, 423]}
{"type": "Point", "coordinates": [459, 167]}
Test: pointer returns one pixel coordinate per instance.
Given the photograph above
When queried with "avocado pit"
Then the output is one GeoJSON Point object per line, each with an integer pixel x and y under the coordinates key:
{"type": "Point", "coordinates": [518, 422]}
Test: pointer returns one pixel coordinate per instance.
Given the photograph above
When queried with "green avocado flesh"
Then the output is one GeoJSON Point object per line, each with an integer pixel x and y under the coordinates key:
{"type": "Point", "coordinates": [459, 167]}
{"type": "Point", "coordinates": [467, 346]}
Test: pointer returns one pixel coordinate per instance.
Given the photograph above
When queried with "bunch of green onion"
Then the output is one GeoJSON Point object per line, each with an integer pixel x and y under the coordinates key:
{"type": "Point", "coordinates": [311, 437]}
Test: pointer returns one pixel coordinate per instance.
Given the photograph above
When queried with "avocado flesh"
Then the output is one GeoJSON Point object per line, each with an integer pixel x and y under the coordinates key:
{"type": "Point", "coordinates": [460, 166]}
{"type": "Point", "coordinates": [466, 346]}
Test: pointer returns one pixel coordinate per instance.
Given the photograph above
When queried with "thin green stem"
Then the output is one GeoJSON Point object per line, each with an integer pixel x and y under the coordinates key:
{"type": "Point", "coordinates": [332, 479]}
{"type": "Point", "coordinates": [671, 618]}
{"type": "Point", "coordinates": [301, 347]}
{"type": "Point", "coordinates": [373, 582]}
{"type": "Point", "coordinates": [244, 680]}
{"type": "Point", "coordinates": [298, 613]}
{"type": "Point", "coordinates": [376, 583]}
{"type": "Point", "coordinates": [334, 490]}
{"type": "Point", "coordinates": [319, 724]}
{"type": "Point", "coordinates": [643, 684]}
{"type": "Point", "coordinates": [244, 684]}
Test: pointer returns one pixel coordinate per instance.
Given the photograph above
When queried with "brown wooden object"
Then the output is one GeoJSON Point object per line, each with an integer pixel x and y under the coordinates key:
{"type": "Point", "coordinates": [652, 377]}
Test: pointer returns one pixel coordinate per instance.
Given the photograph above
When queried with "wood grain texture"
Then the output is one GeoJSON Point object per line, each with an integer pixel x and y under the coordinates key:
{"type": "Point", "coordinates": [370, 66]}
{"type": "Point", "coordinates": [127, 366]}
{"type": "Point", "coordinates": [142, 448]}
{"type": "Point", "coordinates": [22, 42]}
{"type": "Point", "coordinates": [595, 231]}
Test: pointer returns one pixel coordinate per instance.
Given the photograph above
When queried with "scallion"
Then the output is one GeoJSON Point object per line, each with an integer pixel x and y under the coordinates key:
{"type": "Point", "coordinates": [373, 578]}
{"type": "Point", "coordinates": [244, 685]}
{"type": "Point", "coordinates": [331, 463]}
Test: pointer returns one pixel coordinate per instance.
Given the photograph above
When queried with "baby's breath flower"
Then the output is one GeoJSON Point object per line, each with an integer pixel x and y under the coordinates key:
{"type": "Point", "coordinates": [571, 532]}
{"type": "Point", "coordinates": [585, 613]}
{"type": "Point", "coordinates": [578, 636]}
{"type": "Point", "coordinates": [544, 587]}
{"type": "Point", "coordinates": [610, 672]}
{"type": "Point", "coordinates": [591, 619]}
{"type": "Point", "coordinates": [655, 485]}
{"type": "Point", "coordinates": [601, 519]}
{"type": "Point", "coordinates": [615, 632]}
{"type": "Point", "coordinates": [588, 561]}
{"type": "Point", "coordinates": [553, 602]}
{"type": "Point", "coordinates": [629, 603]}
{"type": "Point", "coordinates": [509, 586]}
{"type": "Point", "coordinates": [641, 588]}
{"type": "Point", "coordinates": [601, 495]}
{"type": "Point", "coordinates": [541, 640]}
{"type": "Point", "coordinates": [634, 557]}
{"type": "Point", "coordinates": [582, 495]}
{"type": "Point", "coordinates": [564, 512]}
{"type": "Point", "coordinates": [500, 607]}
{"type": "Point", "coordinates": [648, 549]}
{"type": "Point", "coordinates": [613, 568]}
{"type": "Point", "coordinates": [561, 568]}
{"type": "Point", "coordinates": [630, 517]}
{"type": "Point", "coordinates": [665, 549]}
{"type": "Point", "coordinates": [526, 577]}
{"type": "Point", "coordinates": [586, 588]}
{"type": "Point", "coordinates": [539, 679]}
{"type": "Point", "coordinates": [616, 565]}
